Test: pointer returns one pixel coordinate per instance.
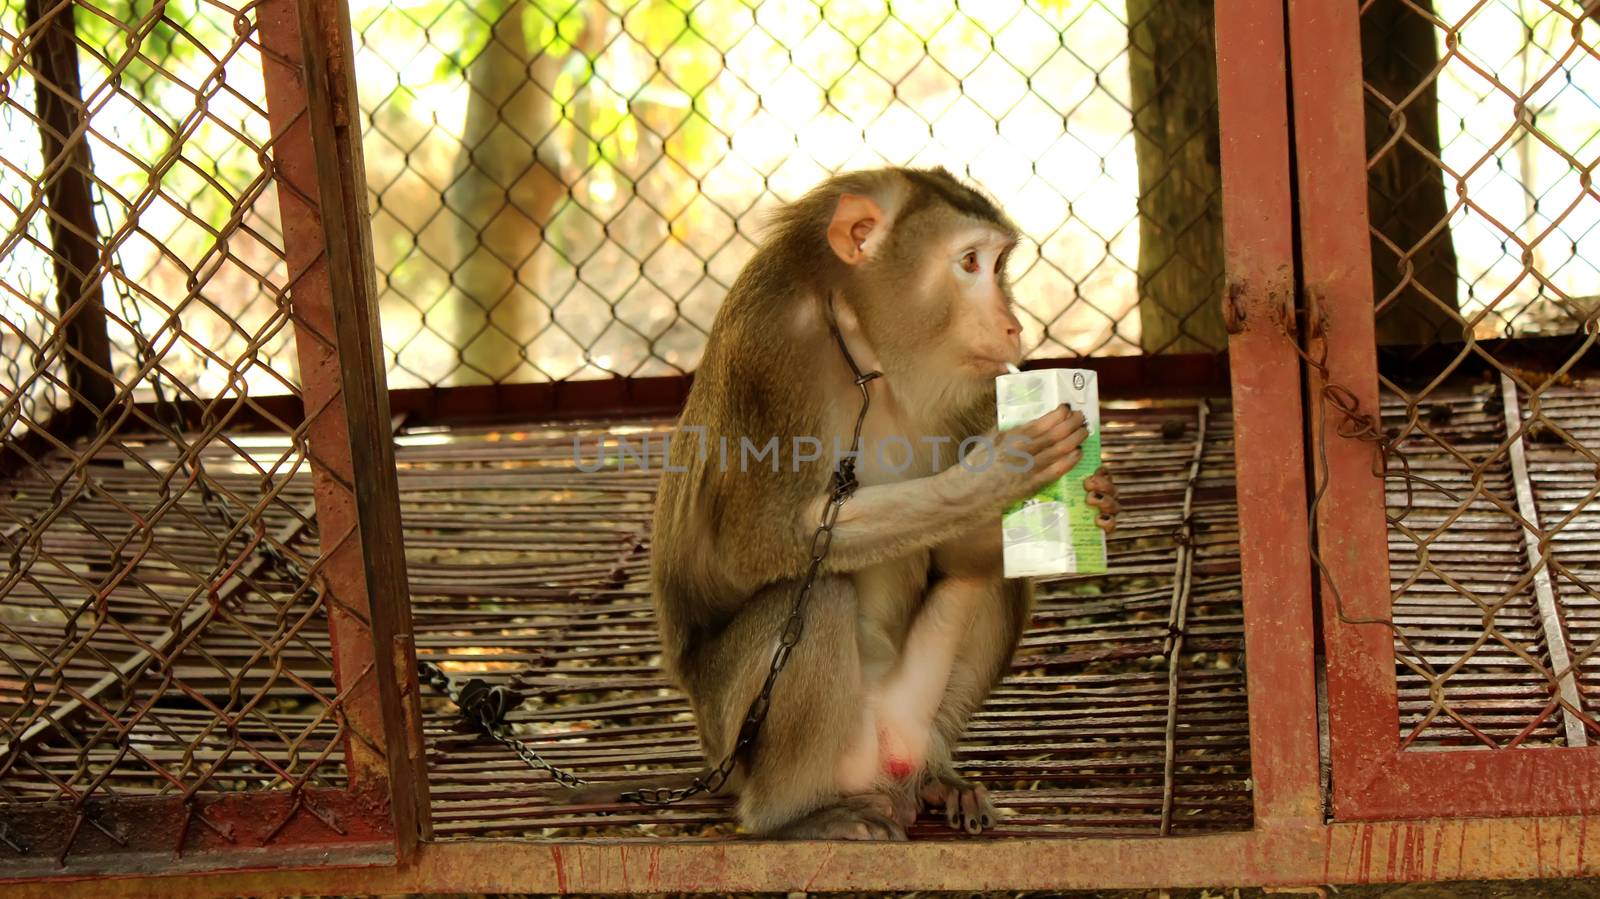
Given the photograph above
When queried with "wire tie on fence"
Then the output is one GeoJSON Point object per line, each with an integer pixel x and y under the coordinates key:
{"type": "Point", "coordinates": [326, 815]}
{"type": "Point", "coordinates": [183, 828]}
{"type": "Point", "coordinates": [294, 806]}
{"type": "Point", "coordinates": [5, 837]}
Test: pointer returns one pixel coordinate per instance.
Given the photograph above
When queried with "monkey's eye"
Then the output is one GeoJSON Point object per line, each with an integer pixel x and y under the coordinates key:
{"type": "Point", "coordinates": [969, 262]}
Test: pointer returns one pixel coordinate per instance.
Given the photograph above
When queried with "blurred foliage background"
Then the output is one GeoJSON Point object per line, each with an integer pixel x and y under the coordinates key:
{"type": "Point", "coordinates": [566, 188]}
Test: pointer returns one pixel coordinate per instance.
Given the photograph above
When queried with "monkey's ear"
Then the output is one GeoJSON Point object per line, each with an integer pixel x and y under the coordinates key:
{"type": "Point", "coordinates": [856, 218]}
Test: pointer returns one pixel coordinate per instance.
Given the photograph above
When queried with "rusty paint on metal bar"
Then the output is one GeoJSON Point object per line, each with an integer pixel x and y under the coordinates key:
{"type": "Point", "coordinates": [1544, 591]}
{"type": "Point", "coordinates": [327, 427]}
{"type": "Point", "coordinates": [1121, 377]}
{"type": "Point", "coordinates": [1125, 377]}
{"type": "Point", "coordinates": [347, 234]}
{"type": "Point", "coordinates": [1283, 855]}
{"type": "Point", "coordinates": [1575, 353]}
{"type": "Point", "coordinates": [139, 836]}
{"type": "Point", "coordinates": [1269, 465]}
{"type": "Point", "coordinates": [1325, 50]}
{"type": "Point", "coordinates": [1540, 781]}
{"type": "Point", "coordinates": [1372, 778]}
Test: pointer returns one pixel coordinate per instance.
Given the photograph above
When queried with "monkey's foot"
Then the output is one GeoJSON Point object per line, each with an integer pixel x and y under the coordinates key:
{"type": "Point", "coordinates": [966, 804]}
{"type": "Point", "coordinates": [904, 800]}
{"type": "Point", "coordinates": [867, 817]}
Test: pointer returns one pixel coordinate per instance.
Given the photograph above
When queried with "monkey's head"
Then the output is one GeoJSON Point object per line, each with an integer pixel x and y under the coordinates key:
{"type": "Point", "coordinates": [922, 262]}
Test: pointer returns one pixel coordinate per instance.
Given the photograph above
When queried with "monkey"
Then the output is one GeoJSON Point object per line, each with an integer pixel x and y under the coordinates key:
{"type": "Point", "coordinates": [910, 622]}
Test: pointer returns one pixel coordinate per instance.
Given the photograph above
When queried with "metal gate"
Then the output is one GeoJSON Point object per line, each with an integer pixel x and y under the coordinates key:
{"type": "Point", "coordinates": [1456, 526]}
{"type": "Point", "coordinates": [156, 700]}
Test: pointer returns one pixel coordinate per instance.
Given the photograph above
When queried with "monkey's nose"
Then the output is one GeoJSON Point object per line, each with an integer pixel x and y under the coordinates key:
{"type": "Point", "coordinates": [1013, 326]}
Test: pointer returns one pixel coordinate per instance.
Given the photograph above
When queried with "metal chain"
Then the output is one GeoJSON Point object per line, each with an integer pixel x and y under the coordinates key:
{"type": "Point", "coordinates": [143, 353]}
{"type": "Point", "coordinates": [486, 706]}
{"type": "Point", "coordinates": [844, 485]}
{"type": "Point", "coordinates": [169, 411]}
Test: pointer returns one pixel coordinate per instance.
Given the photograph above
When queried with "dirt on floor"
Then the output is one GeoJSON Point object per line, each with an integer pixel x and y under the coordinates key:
{"type": "Point", "coordinates": [1523, 889]}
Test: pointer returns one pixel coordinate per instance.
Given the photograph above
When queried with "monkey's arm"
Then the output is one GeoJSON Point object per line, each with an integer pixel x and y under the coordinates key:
{"type": "Point", "coordinates": [885, 521]}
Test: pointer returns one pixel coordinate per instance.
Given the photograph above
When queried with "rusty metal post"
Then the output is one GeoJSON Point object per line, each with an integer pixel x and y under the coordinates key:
{"type": "Point", "coordinates": [1274, 540]}
{"type": "Point", "coordinates": [322, 190]}
{"type": "Point", "coordinates": [74, 245]}
{"type": "Point", "coordinates": [1325, 42]}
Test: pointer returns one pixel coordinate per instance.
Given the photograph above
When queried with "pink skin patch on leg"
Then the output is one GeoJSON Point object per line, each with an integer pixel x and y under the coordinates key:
{"type": "Point", "coordinates": [900, 757]}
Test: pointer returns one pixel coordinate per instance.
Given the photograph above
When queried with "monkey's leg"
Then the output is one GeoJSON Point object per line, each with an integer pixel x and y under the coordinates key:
{"type": "Point", "coordinates": [963, 627]}
{"type": "Point", "coordinates": [800, 782]}
{"type": "Point", "coordinates": [980, 664]}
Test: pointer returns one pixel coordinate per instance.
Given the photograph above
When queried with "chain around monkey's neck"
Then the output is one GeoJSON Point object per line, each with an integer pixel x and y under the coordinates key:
{"type": "Point", "coordinates": [856, 371]}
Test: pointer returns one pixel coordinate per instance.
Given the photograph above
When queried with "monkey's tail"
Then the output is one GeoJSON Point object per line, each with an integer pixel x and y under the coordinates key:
{"type": "Point", "coordinates": [611, 793]}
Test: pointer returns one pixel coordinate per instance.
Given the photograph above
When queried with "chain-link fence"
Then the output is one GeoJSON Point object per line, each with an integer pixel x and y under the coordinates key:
{"type": "Point", "coordinates": [164, 621]}
{"type": "Point", "coordinates": [567, 189]}
{"type": "Point", "coordinates": [1483, 131]}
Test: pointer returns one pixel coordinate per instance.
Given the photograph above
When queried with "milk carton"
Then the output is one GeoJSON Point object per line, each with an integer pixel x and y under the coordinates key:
{"type": "Point", "coordinates": [1053, 531]}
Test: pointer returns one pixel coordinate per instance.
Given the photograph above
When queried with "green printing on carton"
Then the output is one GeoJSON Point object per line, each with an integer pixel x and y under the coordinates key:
{"type": "Point", "coordinates": [1038, 520]}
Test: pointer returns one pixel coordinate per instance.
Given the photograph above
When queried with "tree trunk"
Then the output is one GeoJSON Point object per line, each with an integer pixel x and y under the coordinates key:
{"type": "Point", "coordinates": [1172, 69]}
{"type": "Point", "coordinates": [1413, 271]}
{"type": "Point", "coordinates": [507, 186]}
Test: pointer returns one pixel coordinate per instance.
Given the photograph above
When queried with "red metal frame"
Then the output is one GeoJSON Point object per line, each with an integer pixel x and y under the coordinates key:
{"type": "Point", "coordinates": [1252, 92]}
{"type": "Point", "coordinates": [326, 429]}
{"type": "Point", "coordinates": [1281, 855]}
{"type": "Point", "coordinates": [1373, 779]}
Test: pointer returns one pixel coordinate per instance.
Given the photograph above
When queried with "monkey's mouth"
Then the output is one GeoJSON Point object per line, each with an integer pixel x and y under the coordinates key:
{"type": "Point", "coordinates": [988, 367]}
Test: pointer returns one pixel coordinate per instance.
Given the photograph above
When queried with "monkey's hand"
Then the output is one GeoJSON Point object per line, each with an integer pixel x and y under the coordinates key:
{"type": "Point", "coordinates": [1014, 464]}
{"type": "Point", "coordinates": [1102, 493]}
{"type": "Point", "coordinates": [884, 521]}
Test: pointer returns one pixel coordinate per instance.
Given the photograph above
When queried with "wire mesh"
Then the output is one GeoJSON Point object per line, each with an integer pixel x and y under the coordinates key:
{"type": "Point", "coordinates": [1482, 140]}
{"type": "Point", "coordinates": [147, 648]}
{"type": "Point", "coordinates": [566, 189]}
{"type": "Point", "coordinates": [26, 274]}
